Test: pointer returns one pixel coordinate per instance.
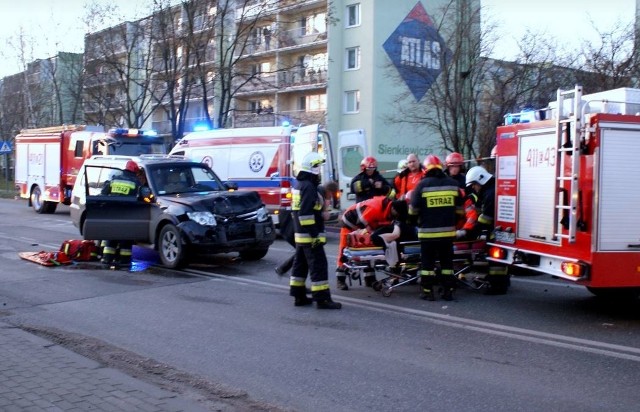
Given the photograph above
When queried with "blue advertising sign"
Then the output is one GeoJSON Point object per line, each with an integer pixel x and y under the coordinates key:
{"type": "Point", "coordinates": [417, 51]}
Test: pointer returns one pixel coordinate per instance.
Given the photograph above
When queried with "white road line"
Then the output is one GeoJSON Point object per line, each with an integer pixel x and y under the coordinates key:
{"type": "Point", "coordinates": [528, 335]}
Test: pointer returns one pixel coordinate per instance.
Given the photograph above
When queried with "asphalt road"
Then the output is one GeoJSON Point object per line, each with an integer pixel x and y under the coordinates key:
{"type": "Point", "coordinates": [230, 327]}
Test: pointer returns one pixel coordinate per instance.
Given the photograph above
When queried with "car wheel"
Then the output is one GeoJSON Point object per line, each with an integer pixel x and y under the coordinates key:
{"type": "Point", "coordinates": [170, 247]}
{"type": "Point", "coordinates": [254, 254]}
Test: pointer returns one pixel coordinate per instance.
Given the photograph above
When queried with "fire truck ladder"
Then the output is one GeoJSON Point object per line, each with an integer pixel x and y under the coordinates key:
{"type": "Point", "coordinates": [568, 128]}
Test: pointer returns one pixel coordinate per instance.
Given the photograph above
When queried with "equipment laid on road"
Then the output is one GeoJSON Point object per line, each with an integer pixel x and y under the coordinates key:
{"type": "Point", "coordinates": [565, 194]}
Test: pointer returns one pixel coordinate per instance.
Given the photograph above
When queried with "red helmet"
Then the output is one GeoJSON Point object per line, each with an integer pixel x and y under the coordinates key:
{"type": "Point", "coordinates": [132, 166]}
{"type": "Point", "coordinates": [368, 162]}
{"type": "Point", "coordinates": [432, 161]}
{"type": "Point", "coordinates": [454, 159]}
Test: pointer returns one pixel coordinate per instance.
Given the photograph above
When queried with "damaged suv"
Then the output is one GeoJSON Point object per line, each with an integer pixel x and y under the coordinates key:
{"type": "Point", "coordinates": [182, 210]}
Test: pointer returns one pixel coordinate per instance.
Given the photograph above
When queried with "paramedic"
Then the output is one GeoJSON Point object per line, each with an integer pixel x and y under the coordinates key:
{"type": "Point", "coordinates": [370, 215]}
{"type": "Point", "coordinates": [483, 183]}
{"type": "Point", "coordinates": [434, 202]}
{"type": "Point", "coordinates": [310, 259]}
{"type": "Point", "coordinates": [454, 163]}
{"type": "Point", "coordinates": [409, 178]}
{"type": "Point", "coordinates": [126, 184]}
{"type": "Point", "coordinates": [369, 182]}
{"type": "Point", "coordinates": [402, 166]}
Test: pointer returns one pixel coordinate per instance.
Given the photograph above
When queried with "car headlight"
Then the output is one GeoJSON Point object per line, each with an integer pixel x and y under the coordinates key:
{"type": "Point", "coordinates": [202, 218]}
{"type": "Point", "coordinates": [262, 215]}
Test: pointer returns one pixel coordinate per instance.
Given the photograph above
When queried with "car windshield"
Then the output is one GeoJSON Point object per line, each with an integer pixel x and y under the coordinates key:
{"type": "Point", "coordinates": [173, 179]}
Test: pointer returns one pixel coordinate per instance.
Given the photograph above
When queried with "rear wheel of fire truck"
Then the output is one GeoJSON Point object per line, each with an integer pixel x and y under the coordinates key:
{"type": "Point", "coordinates": [38, 204]}
{"type": "Point", "coordinates": [170, 248]}
{"type": "Point", "coordinates": [254, 254]}
{"type": "Point", "coordinates": [615, 293]}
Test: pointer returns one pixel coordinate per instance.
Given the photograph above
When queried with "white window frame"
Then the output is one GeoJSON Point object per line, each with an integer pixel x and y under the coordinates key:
{"type": "Point", "coordinates": [351, 101]}
{"type": "Point", "coordinates": [357, 15]}
{"type": "Point", "coordinates": [356, 59]}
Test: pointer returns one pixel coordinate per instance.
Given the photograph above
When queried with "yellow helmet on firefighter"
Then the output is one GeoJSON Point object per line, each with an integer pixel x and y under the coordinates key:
{"type": "Point", "coordinates": [478, 174]}
{"type": "Point", "coordinates": [311, 163]}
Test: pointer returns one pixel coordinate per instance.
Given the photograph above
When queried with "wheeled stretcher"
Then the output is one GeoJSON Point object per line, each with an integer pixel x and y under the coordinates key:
{"type": "Point", "coordinates": [359, 261]}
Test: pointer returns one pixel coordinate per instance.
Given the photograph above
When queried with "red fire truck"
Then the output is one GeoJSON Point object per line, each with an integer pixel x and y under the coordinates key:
{"type": "Point", "coordinates": [48, 159]}
{"type": "Point", "coordinates": [565, 191]}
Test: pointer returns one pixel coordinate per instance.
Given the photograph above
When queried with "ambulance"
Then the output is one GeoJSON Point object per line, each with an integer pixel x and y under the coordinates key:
{"type": "Point", "coordinates": [263, 159]}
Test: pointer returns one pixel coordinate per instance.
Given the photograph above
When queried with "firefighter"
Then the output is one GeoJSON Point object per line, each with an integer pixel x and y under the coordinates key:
{"type": "Point", "coordinates": [409, 178]}
{"type": "Point", "coordinates": [454, 162]}
{"type": "Point", "coordinates": [369, 182]}
{"type": "Point", "coordinates": [118, 253]}
{"type": "Point", "coordinates": [483, 184]}
{"type": "Point", "coordinates": [307, 209]}
{"type": "Point", "coordinates": [369, 214]}
{"type": "Point", "coordinates": [434, 202]}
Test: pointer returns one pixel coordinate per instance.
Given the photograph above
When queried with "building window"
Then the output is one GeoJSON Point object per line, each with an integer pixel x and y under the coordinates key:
{"type": "Point", "coordinates": [255, 106]}
{"type": "Point", "coordinates": [352, 58]}
{"type": "Point", "coordinates": [353, 15]}
{"type": "Point", "coordinates": [316, 102]}
{"type": "Point", "coordinates": [352, 101]}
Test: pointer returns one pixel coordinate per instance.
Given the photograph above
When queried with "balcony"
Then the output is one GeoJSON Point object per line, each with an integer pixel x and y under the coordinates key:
{"type": "Point", "coordinates": [294, 117]}
{"type": "Point", "coordinates": [284, 40]}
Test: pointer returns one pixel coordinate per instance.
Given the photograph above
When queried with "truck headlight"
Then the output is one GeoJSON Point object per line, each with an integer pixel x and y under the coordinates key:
{"type": "Point", "coordinates": [203, 218]}
{"type": "Point", "coordinates": [262, 215]}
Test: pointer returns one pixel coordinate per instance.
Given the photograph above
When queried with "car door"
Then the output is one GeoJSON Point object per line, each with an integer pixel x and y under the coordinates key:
{"type": "Point", "coordinates": [113, 217]}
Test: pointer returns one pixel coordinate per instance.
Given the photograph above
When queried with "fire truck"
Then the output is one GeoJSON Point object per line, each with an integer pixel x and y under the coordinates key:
{"type": "Point", "coordinates": [565, 191]}
{"type": "Point", "coordinates": [48, 159]}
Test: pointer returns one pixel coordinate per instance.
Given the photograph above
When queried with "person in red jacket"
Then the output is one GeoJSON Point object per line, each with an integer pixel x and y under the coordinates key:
{"type": "Point", "coordinates": [369, 214]}
{"type": "Point", "coordinates": [408, 179]}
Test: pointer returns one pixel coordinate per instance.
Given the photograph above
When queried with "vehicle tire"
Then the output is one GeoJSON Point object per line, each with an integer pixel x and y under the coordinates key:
{"type": "Point", "coordinates": [50, 207]}
{"type": "Point", "coordinates": [36, 200]}
{"type": "Point", "coordinates": [619, 294]}
{"type": "Point", "coordinates": [254, 254]}
{"type": "Point", "coordinates": [170, 248]}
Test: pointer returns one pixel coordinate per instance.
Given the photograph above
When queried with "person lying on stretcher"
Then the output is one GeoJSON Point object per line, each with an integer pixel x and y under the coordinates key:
{"type": "Point", "coordinates": [400, 230]}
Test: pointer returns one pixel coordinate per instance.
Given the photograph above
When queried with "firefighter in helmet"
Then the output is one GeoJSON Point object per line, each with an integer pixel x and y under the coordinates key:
{"type": "Point", "coordinates": [483, 184]}
{"type": "Point", "coordinates": [455, 162]}
{"type": "Point", "coordinates": [118, 253]}
{"type": "Point", "coordinates": [310, 258]}
{"type": "Point", "coordinates": [435, 202]}
{"type": "Point", "coordinates": [369, 182]}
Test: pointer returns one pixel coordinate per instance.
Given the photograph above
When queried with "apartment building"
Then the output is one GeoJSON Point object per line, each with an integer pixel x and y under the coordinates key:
{"type": "Point", "coordinates": [384, 57]}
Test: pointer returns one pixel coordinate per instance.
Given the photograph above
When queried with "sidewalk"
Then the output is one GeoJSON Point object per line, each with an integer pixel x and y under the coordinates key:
{"type": "Point", "coordinates": [38, 375]}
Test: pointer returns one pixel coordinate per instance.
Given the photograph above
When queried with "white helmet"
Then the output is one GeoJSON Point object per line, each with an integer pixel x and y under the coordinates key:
{"type": "Point", "coordinates": [402, 164]}
{"type": "Point", "coordinates": [311, 163]}
{"type": "Point", "coordinates": [478, 174]}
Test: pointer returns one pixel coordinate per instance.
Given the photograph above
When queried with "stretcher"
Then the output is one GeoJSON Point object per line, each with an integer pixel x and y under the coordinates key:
{"type": "Point", "coordinates": [358, 261]}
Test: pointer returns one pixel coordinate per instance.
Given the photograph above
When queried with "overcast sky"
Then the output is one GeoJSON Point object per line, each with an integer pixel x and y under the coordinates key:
{"type": "Point", "coordinates": [57, 25]}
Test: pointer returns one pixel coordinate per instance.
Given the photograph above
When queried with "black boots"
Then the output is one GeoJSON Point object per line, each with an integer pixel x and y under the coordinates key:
{"type": "Point", "coordinates": [328, 304]}
{"type": "Point", "coordinates": [303, 301]}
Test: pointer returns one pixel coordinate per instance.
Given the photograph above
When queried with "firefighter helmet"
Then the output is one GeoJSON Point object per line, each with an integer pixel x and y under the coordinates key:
{"type": "Point", "coordinates": [454, 159]}
{"type": "Point", "coordinates": [132, 166]}
{"type": "Point", "coordinates": [478, 174]}
{"type": "Point", "coordinates": [369, 162]}
{"type": "Point", "coordinates": [311, 163]}
{"type": "Point", "coordinates": [432, 161]}
{"type": "Point", "coordinates": [402, 164]}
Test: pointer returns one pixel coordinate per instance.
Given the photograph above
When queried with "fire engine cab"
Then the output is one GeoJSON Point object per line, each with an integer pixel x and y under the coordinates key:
{"type": "Point", "coordinates": [565, 195]}
{"type": "Point", "coordinates": [48, 159]}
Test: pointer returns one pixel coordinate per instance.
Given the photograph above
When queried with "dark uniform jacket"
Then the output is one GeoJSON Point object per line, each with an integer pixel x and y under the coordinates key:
{"type": "Point", "coordinates": [363, 186]}
{"type": "Point", "coordinates": [306, 208]}
{"type": "Point", "coordinates": [435, 202]}
{"type": "Point", "coordinates": [126, 184]}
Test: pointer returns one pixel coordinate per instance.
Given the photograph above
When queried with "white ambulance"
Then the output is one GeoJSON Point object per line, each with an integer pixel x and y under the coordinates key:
{"type": "Point", "coordinates": [260, 158]}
